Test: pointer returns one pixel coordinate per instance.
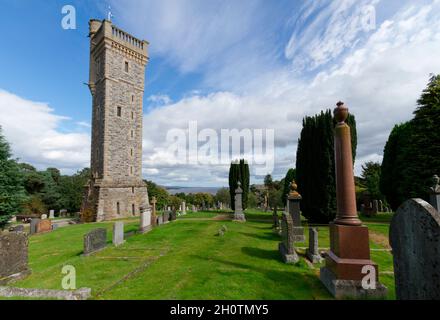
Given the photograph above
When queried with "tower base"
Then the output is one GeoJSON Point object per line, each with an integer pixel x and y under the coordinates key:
{"type": "Point", "coordinates": [109, 201]}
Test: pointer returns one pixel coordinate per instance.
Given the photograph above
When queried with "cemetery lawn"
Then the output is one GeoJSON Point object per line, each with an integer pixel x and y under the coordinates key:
{"type": "Point", "coordinates": [186, 259]}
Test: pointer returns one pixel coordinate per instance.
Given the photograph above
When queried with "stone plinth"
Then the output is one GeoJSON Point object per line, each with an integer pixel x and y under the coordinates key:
{"type": "Point", "coordinates": [293, 207]}
{"type": "Point", "coordinates": [33, 225]}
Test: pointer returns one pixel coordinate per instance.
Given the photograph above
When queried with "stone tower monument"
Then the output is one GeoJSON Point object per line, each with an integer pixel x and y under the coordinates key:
{"type": "Point", "coordinates": [116, 81]}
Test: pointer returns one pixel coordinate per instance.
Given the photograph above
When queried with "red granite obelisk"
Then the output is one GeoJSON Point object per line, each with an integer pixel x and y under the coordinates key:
{"type": "Point", "coordinates": [349, 240]}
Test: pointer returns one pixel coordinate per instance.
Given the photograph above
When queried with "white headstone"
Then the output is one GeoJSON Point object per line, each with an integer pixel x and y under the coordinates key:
{"type": "Point", "coordinates": [145, 225]}
{"type": "Point", "coordinates": [183, 207]}
{"type": "Point", "coordinates": [43, 216]}
{"type": "Point", "coordinates": [51, 214]}
{"type": "Point", "coordinates": [118, 233]}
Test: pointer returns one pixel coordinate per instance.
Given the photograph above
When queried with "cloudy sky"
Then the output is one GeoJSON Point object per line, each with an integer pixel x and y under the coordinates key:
{"type": "Point", "coordinates": [249, 64]}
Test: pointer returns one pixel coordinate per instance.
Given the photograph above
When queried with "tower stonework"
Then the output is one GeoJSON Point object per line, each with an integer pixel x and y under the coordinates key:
{"type": "Point", "coordinates": [116, 81]}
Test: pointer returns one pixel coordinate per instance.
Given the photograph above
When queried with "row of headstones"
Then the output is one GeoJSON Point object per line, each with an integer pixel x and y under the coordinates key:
{"type": "Point", "coordinates": [373, 208]}
{"type": "Point", "coordinates": [96, 239]}
{"type": "Point", "coordinates": [292, 231]}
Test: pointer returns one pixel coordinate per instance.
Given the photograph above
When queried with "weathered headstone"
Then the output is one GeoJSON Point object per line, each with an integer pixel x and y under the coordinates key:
{"type": "Point", "coordinates": [375, 207]}
{"type": "Point", "coordinates": [434, 193]}
{"type": "Point", "coordinates": [145, 223]}
{"type": "Point", "coordinates": [286, 247]}
{"type": "Point", "coordinates": [363, 209]}
{"type": "Point", "coordinates": [13, 257]}
{"type": "Point", "coordinates": [276, 219]}
{"type": "Point", "coordinates": [193, 209]}
{"type": "Point", "coordinates": [63, 212]}
{"type": "Point", "coordinates": [415, 239]}
{"type": "Point", "coordinates": [55, 226]}
{"type": "Point", "coordinates": [19, 228]}
{"type": "Point", "coordinates": [312, 253]}
{"type": "Point", "coordinates": [293, 205]}
{"type": "Point", "coordinates": [43, 226]}
{"type": "Point", "coordinates": [33, 225]}
{"type": "Point", "coordinates": [166, 216]}
{"type": "Point", "coordinates": [173, 215]}
{"type": "Point", "coordinates": [159, 220]}
{"type": "Point", "coordinates": [381, 206]}
{"type": "Point", "coordinates": [95, 240]}
{"type": "Point", "coordinates": [118, 233]}
{"type": "Point", "coordinates": [51, 214]}
{"type": "Point", "coordinates": [238, 213]}
{"type": "Point", "coordinates": [183, 207]}
{"type": "Point", "coordinates": [43, 216]}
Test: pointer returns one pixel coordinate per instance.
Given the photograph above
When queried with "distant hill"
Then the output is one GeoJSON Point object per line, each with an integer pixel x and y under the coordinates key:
{"type": "Point", "coordinates": [187, 190]}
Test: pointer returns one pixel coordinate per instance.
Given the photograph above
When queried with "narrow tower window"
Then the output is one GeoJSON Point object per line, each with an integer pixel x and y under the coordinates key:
{"type": "Point", "coordinates": [133, 209]}
{"type": "Point", "coordinates": [132, 115]}
{"type": "Point", "coordinates": [118, 208]}
{"type": "Point", "coordinates": [119, 111]}
{"type": "Point", "coordinates": [132, 189]}
{"type": "Point", "coordinates": [132, 133]}
{"type": "Point", "coordinates": [126, 66]}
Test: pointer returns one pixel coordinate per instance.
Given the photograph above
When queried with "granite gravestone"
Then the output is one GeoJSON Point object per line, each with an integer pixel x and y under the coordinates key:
{"type": "Point", "coordinates": [173, 215]}
{"type": "Point", "coordinates": [13, 257]}
{"type": "Point", "coordinates": [118, 233]}
{"type": "Point", "coordinates": [286, 247]}
{"type": "Point", "coordinates": [43, 226]}
{"type": "Point", "coordinates": [415, 240]}
{"type": "Point", "coordinates": [293, 206]}
{"type": "Point", "coordinates": [434, 193]}
{"type": "Point", "coordinates": [19, 228]}
{"type": "Point", "coordinates": [95, 240]}
{"type": "Point", "coordinates": [51, 214]}
{"type": "Point", "coordinates": [166, 216]}
{"type": "Point", "coordinates": [183, 207]}
{"type": "Point", "coordinates": [145, 224]}
{"type": "Point", "coordinates": [33, 225]}
{"type": "Point", "coordinates": [238, 213]}
{"type": "Point", "coordinates": [375, 207]}
{"type": "Point", "coordinates": [159, 220]}
{"type": "Point", "coordinates": [312, 253]}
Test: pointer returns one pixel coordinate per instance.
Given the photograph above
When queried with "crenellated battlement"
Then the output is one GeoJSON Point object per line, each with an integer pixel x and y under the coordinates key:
{"type": "Point", "coordinates": [104, 31]}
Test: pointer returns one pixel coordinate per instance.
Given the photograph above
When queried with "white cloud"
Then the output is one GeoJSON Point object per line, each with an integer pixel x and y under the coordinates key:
{"type": "Point", "coordinates": [380, 82]}
{"type": "Point", "coordinates": [32, 129]}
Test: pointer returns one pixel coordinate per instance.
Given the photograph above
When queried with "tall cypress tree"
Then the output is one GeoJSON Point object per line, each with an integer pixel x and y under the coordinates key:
{"type": "Point", "coordinates": [315, 166]}
{"type": "Point", "coordinates": [234, 174]}
{"type": "Point", "coordinates": [411, 155]}
{"type": "Point", "coordinates": [244, 180]}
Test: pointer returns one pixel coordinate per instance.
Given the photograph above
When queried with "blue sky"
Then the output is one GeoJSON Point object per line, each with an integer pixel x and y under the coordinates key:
{"type": "Point", "coordinates": [225, 64]}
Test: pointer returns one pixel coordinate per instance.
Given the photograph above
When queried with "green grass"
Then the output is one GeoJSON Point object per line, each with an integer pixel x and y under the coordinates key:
{"type": "Point", "coordinates": [185, 259]}
{"type": "Point", "coordinates": [199, 215]}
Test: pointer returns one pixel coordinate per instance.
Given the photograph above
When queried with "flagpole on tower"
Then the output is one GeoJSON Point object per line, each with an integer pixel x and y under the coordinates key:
{"type": "Point", "coordinates": [110, 14]}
